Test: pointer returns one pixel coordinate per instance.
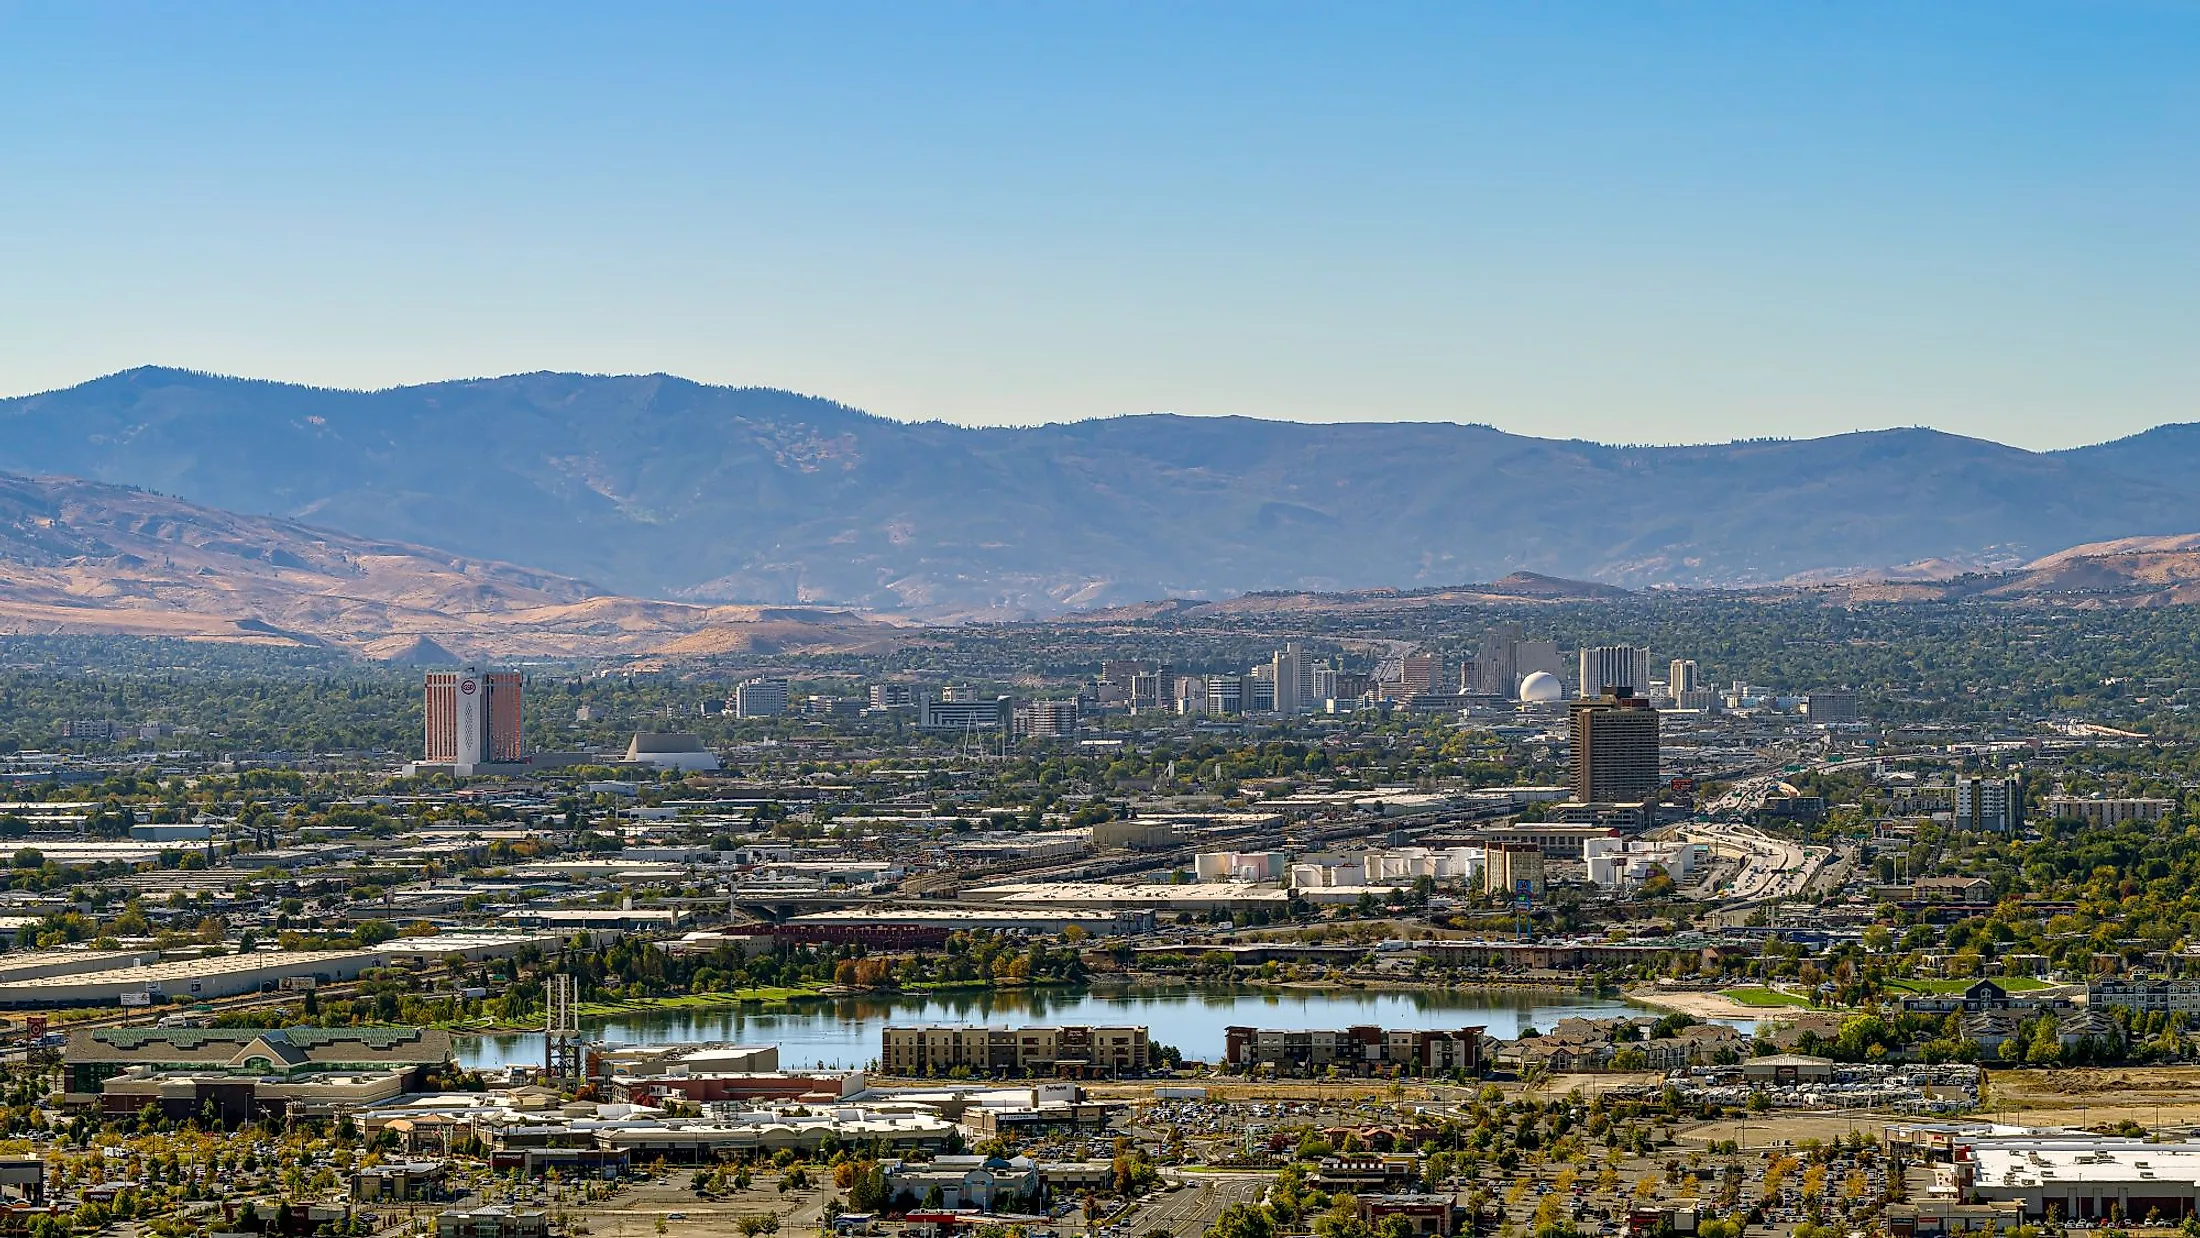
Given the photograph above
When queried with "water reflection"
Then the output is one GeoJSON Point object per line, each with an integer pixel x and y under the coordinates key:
{"type": "Point", "coordinates": [843, 1031]}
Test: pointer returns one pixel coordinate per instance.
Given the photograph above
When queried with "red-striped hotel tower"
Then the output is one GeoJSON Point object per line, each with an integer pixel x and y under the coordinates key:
{"type": "Point", "coordinates": [474, 718]}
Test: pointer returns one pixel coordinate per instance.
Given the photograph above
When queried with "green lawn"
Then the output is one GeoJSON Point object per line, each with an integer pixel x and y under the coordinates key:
{"type": "Point", "coordinates": [1754, 995]}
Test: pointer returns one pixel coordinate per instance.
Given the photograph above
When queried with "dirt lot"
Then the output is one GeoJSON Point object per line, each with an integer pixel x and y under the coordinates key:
{"type": "Point", "coordinates": [2153, 1096]}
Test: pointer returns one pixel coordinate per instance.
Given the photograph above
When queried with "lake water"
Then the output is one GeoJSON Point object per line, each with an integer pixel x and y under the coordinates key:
{"type": "Point", "coordinates": [844, 1031]}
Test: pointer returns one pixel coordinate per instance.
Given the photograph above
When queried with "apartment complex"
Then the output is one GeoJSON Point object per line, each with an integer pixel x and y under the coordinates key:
{"type": "Point", "coordinates": [2144, 993]}
{"type": "Point", "coordinates": [2097, 811]}
{"type": "Point", "coordinates": [1356, 1050]}
{"type": "Point", "coordinates": [1071, 1050]}
{"type": "Point", "coordinates": [1995, 804]}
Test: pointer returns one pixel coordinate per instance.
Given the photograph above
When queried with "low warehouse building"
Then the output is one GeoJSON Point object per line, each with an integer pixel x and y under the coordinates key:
{"type": "Point", "coordinates": [2082, 1177]}
{"type": "Point", "coordinates": [187, 979]}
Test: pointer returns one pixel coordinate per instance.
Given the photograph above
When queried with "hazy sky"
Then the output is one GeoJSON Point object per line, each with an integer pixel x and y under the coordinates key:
{"type": "Point", "coordinates": [1629, 221]}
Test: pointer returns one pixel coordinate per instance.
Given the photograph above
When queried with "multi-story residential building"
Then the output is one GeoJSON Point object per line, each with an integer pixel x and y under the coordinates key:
{"type": "Point", "coordinates": [1047, 719]}
{"type": "Point", "coordinates": [1353, 1050]}
{"type": "Point", "coordinates": [2093, 810]}
{"type": "Point", "coordinates": [1615, 749]}
{"type": "Point", "coordinates": [760, 698]}
{"type": "Point", "coordinates": [1068, 1050]}
{"type": "Point", "coordinates": [1984, 803]}
{"type": "Point", "coordinates": [2144, 993]}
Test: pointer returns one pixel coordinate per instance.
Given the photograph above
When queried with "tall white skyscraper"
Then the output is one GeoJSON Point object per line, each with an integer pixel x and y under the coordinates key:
{"type": "Point", "coordinates": [1294, 677]}
{"type": "Point", "coordinates": [1614, 666]}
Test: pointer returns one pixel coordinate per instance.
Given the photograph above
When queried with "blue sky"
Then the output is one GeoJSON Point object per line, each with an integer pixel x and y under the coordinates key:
{"type": "Point", "coordinates": [1637, 222]}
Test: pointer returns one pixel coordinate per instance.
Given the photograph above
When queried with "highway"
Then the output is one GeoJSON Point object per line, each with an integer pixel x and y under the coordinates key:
{"type": "Point", "coordinates": [1771, 869]}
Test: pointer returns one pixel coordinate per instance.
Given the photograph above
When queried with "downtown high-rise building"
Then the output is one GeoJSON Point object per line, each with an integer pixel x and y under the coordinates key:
{"type": "Point", "coordinates": [1294, 679]}
{"type": "Point", "coordinates": [1614, 666]}
{"type": "Point", "coordinates": [1507, 656]}
{"type": "Point", "coordinates": [1421, 673]}
{"type": "Point", "coordinates": [1615, 749]}
{"type": "Point", "coordinates": [1681, 677]}
{"type": "Point", "coordinates": [474, 717]}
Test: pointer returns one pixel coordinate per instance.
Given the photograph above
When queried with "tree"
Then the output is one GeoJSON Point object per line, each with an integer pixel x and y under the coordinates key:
{"type": "Point", "coordinates": [1242, 1221]}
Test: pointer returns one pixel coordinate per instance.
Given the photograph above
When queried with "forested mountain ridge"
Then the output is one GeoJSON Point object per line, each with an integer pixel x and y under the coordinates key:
{"type": "Point", "coordinates": [656, 486]}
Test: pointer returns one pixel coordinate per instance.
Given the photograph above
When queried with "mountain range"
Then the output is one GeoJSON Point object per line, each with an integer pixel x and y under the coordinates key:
{"type": "Point", "coordinates": [654, 487]}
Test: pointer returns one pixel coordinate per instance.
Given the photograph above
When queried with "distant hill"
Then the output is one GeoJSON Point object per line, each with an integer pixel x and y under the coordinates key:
{"type": "Point", "coordinates": [82, 557]}
{"type": "Point", "coordinates": [1518, 587]}
{"type": "Point", "coordinates": [655, 486]}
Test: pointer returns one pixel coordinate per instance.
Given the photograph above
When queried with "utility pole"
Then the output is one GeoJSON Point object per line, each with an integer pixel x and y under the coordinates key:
{"type": "Point", "coordinates": [562, 1052]}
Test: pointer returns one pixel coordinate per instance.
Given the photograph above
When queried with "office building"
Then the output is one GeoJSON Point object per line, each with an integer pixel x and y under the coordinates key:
{"type": "Point", "coordinates": [893, 696]}
{"type": "Point", "coordinates": [1829, 707]}
{"type": "Point", "coordinates": [1615, 749]}
{"type": "Point", "coordinates": [1190, 694]}
{"type": "Point", "coordinates": [1150, 688]}
{"type": "Point", "coordinates": [473, 718]}
{"type": "Point", "coordinates": [1257, 691]}
{"type": "Point", "coordinates": [1604, 667]}
{"type": "Point", "coordinates": [1293, 676]}
{"type": "Point", "coordinates": [760, 698]}
{"type": "Point", "coordinates": [1225, 694]}
{"type": "Point", "coordinates": [1121, 671]}
{"type": "Point", "coordinates": [1989, 803]}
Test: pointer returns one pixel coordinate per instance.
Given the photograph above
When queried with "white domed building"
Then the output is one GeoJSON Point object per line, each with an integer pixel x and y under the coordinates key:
{"type": "Point", "coordinates": [1541, 688]}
